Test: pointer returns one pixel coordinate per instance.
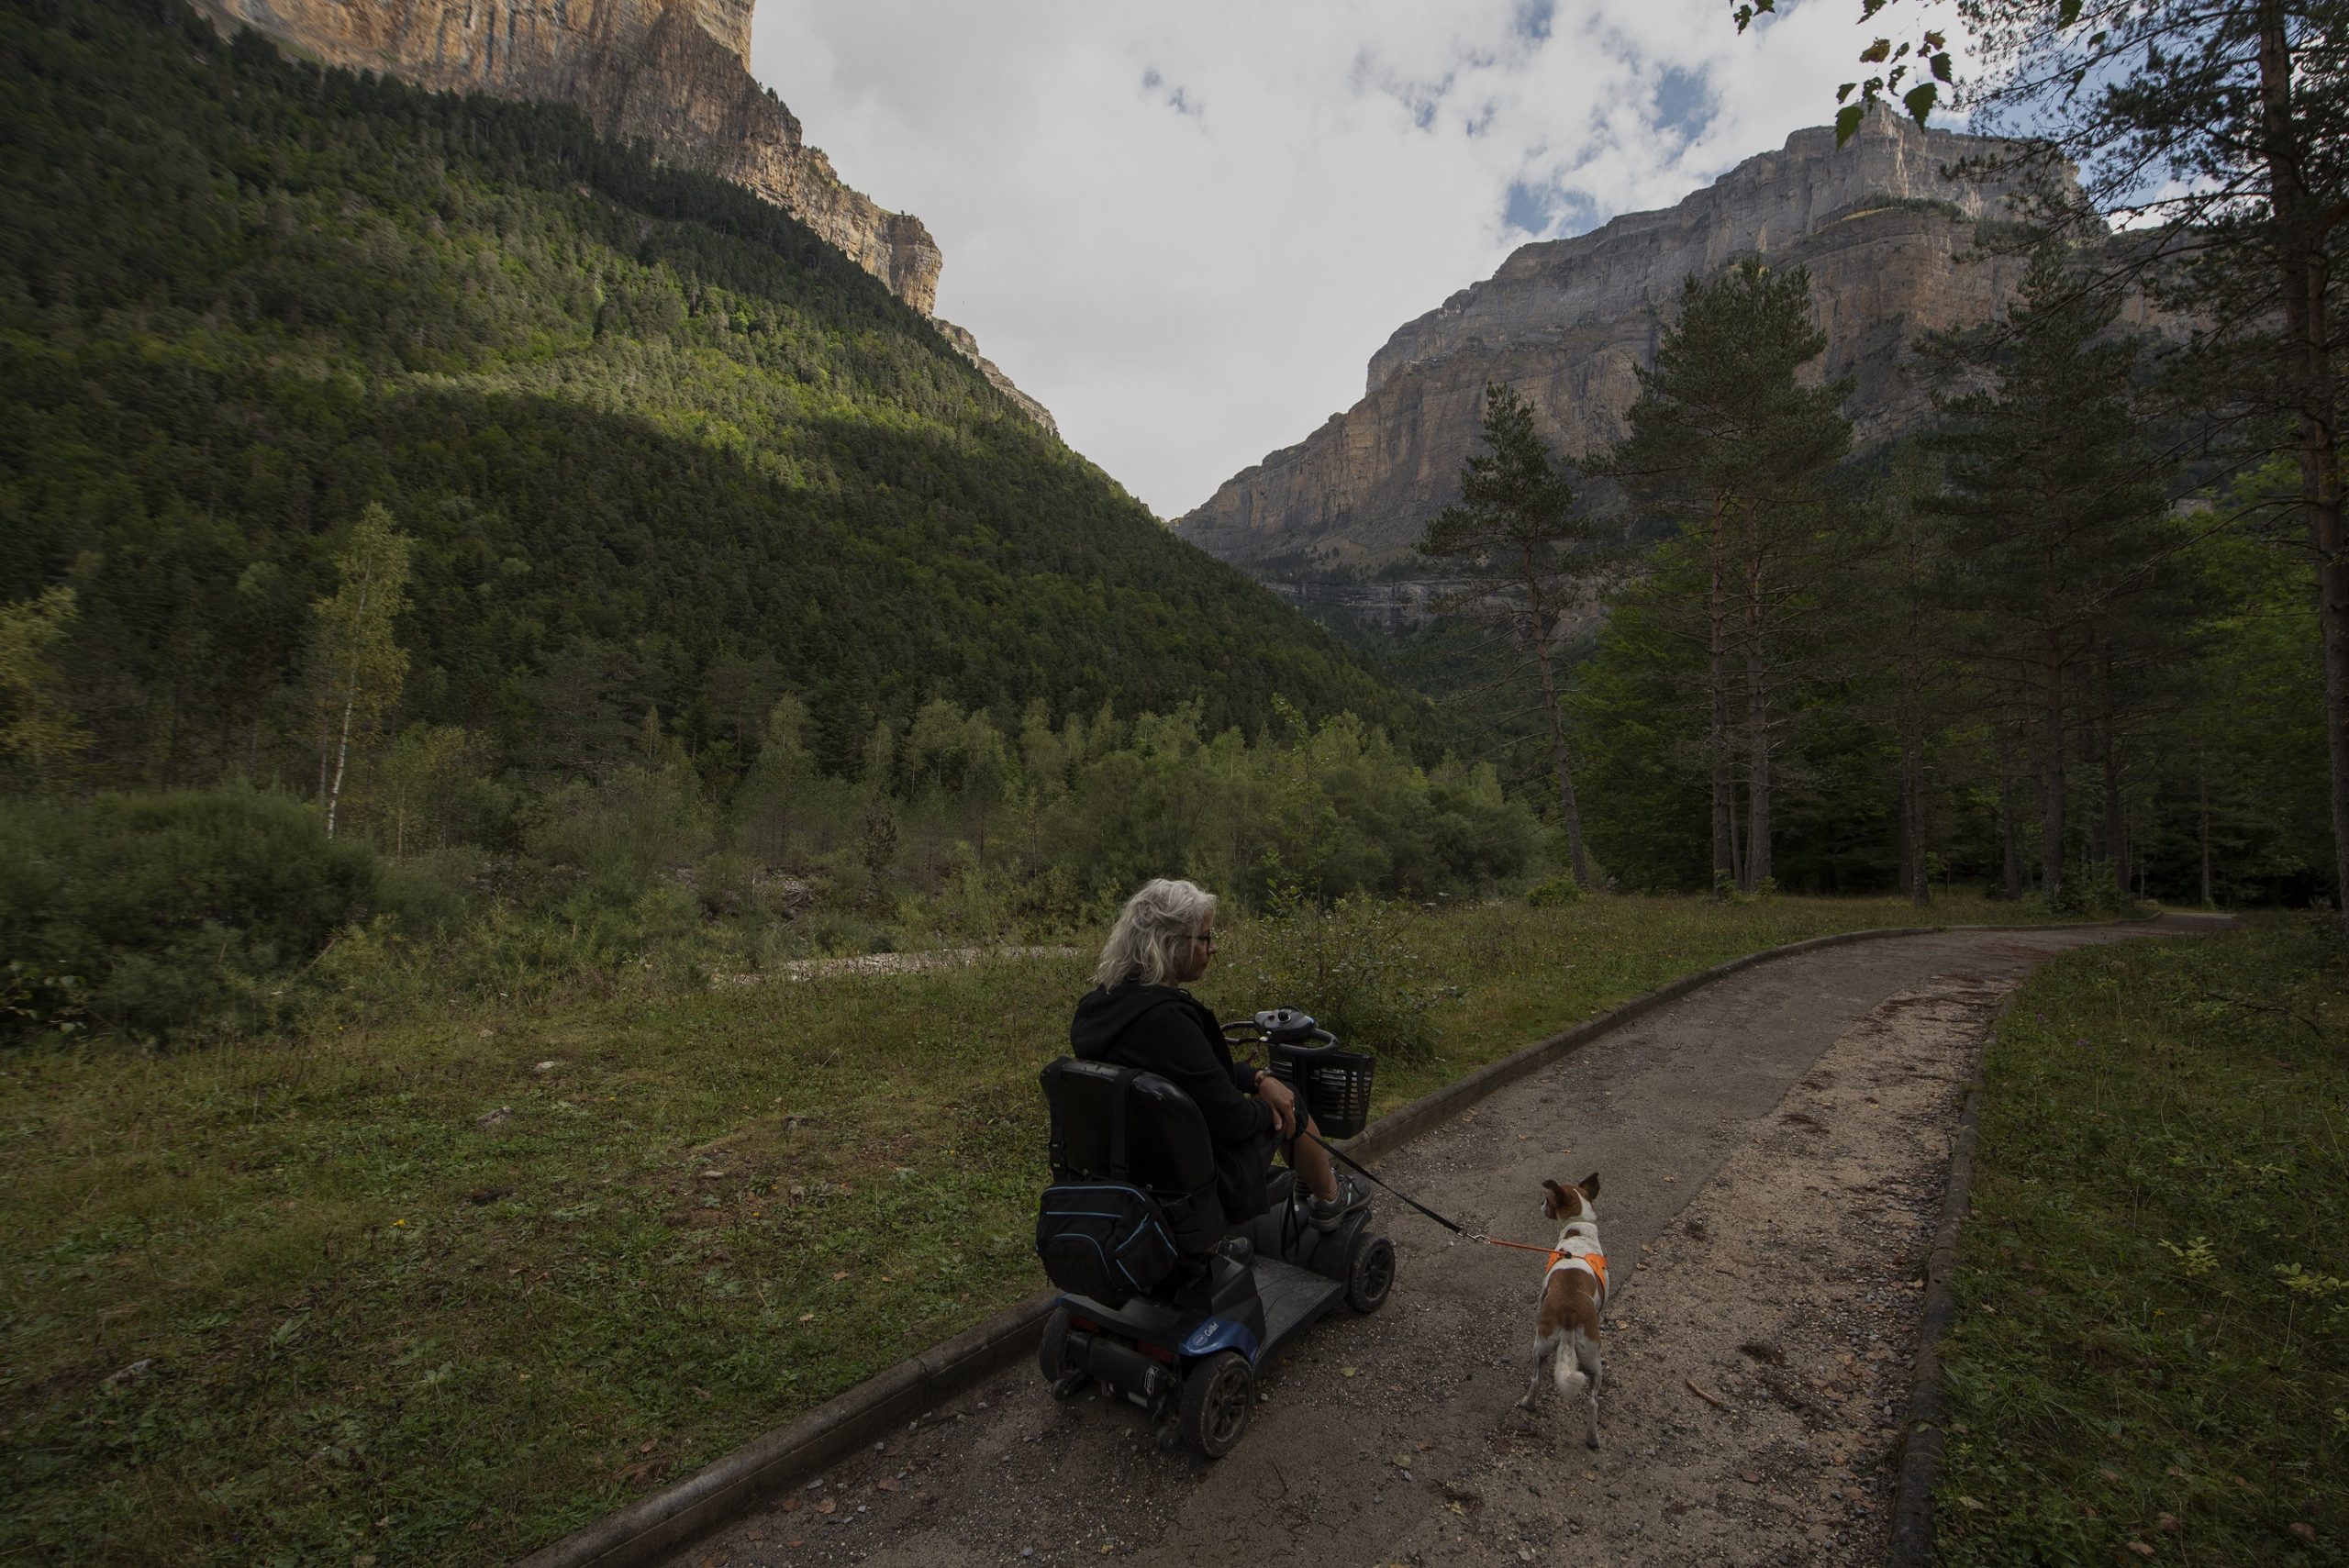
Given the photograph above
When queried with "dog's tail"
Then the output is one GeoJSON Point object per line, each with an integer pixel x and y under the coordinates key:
{"type": "Point", "coordinates": [1578, 1354]}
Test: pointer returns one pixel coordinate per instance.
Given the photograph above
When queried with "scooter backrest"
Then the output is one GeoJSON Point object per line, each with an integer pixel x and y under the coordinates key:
{"type": "Point", "coordinates": [1166, 1146]}
{"type": "Point", "coordinates": [1120, 1126]}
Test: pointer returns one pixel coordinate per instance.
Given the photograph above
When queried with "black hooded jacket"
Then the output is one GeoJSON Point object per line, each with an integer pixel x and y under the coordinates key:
{"type": "Point", "coordinates": [1164, 1029]}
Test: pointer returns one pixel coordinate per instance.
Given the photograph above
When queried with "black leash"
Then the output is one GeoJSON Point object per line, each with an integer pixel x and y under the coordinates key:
{"type": "Point", "coordinates": [1354, 1164]}
{"type": "Point", "coordinates": [1451, 1225]}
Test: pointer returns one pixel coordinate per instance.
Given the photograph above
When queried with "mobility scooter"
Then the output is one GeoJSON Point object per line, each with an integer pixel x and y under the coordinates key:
{"type": "Point", "coordinates": [1168, 1304]}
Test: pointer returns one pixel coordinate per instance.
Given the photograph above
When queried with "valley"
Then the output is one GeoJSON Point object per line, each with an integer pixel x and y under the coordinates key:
{"type": "Point", "coordinates": [567, 747]}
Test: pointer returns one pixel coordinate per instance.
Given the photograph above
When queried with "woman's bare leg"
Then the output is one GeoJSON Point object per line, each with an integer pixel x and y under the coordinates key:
{"type": "Point", "coordinates": [1311, 1164]}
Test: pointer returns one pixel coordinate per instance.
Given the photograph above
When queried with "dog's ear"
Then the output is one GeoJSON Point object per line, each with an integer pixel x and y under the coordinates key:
{"type": "Point", "coordinates": [1589, 1186]}
{"type": "Point", "coordinates": [1554, 1197]}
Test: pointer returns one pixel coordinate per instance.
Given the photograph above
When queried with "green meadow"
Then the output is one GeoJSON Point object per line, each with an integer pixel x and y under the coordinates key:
{"type": "Point", "coordinates": [2152, 1356]}
{"type": "Point", "coordinates": [443, 1289]}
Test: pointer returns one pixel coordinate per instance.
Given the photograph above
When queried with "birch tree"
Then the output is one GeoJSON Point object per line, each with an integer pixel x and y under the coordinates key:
{"type": "Point", "coordinates": [356, 664]}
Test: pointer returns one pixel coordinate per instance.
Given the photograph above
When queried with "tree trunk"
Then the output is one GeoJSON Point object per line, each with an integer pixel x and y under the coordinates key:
{"type": "Point", "coordinates": [2303, 276]}
{"type": "Point", "coordinates": [1569, 813]}
{"type": "Point", "coordinates": [1916, 884]}
{"type": "Point", "coordinates": [2116, 812]}
{"type": "Point", "coordinates": [1736, 842]}
{"type": "Point", "coordinates": [2051, 770]}
{"type": "Point", "coordinates": [1717, 653]}
{"type": "Point", "coordinates": [1758, 868]}
{"type": "Point", "coordinates": [1758, 718]}
{"type": "Point", "coordinates": [1900, 875]}
{"type": "Point", "coordinates": [1921, 830]}
{"type": "Point", "coordinates": [2009, 818]}
{"type": "Point", "coordinates": [342, 756]}
{"type": "Point", "coordinates": [350, 702]}
{"type": "Point", "coordinates": [2202, 795]}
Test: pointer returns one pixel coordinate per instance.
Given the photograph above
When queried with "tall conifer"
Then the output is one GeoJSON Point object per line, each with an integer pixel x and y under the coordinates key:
{"type": "Point", "coordinates": [1517, 532]}
{"type": "Point", "coordinates": [2054, 511]}
{"type": "Point", "coordinates": [1727, 442]}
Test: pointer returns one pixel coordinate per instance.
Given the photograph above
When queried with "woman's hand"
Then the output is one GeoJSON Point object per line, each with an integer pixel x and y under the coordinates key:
{"type": "Point", "coordinates": [1281, 1100]}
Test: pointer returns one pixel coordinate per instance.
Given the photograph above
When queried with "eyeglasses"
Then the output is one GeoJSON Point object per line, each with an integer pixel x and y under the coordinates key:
{"type": "Point", "coordinates": [1202, 938]}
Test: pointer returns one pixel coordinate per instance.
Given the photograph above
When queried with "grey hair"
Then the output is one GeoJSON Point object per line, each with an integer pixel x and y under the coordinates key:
{"type": "Point", "coordinates": [1153, 935]}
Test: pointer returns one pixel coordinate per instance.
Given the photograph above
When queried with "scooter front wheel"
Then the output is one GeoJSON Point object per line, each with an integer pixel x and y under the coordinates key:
{"type": "Point", "coordinates": [1370, 1273]}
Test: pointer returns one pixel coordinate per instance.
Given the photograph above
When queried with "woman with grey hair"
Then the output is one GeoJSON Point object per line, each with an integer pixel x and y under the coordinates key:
{"type": "Point", "coordinates": [1138, 1014]}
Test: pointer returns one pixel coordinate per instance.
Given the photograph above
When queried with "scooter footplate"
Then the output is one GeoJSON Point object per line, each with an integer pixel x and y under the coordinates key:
{"type": "Point", "coordinates": [1292, 1297]}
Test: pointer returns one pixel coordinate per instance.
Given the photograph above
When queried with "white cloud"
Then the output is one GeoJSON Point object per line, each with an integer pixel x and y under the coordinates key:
{"type": "Point", "coordinates": [1187, 228]}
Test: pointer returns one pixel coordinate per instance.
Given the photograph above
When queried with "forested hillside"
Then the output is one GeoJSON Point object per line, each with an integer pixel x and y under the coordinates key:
{"type": "Point", "coordinates": [654, 444]}
{"type": "Point", "coordinates": [443, 552]}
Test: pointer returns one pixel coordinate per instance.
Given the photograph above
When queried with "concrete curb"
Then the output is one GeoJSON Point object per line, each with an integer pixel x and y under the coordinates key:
{"type": "Point", "coordinates": [644, 1531]}
{"type": "Point", "coordinates": [1923, 1433]}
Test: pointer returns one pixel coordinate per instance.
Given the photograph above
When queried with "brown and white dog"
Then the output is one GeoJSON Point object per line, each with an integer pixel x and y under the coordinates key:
{"type": "Point", "coordinates": [1573, 1291]}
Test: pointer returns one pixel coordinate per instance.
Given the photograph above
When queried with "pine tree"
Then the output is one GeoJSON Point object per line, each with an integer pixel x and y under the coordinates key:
{"type": "Point", "coordinates": [1728, 443]}
{"type": "Point", "coordinates": [2054, 511]}
{"type": "Point", "coordinates": [1903, 648]}
{"type": "Point", "coordinates": [1516, 532]}
{"type": "Point", "coordinates": [2218, 129]}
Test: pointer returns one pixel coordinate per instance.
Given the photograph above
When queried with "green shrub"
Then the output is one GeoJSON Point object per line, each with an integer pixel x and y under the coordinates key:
{"type": "Point", "coordinates": [619, 835]}
{"type": "Point", "coordinates": [2091, 888]}
{"type": "Point", "coordinates": [1552, 891]}
{"type": "Point", "coordinates": [435, 893]}
{"type": "Point", "coordinates": [831, 931]}
{"type": "Point", "coordinates": [1353, 964]}
{"type": "Point", "coordinates": [173, 916]}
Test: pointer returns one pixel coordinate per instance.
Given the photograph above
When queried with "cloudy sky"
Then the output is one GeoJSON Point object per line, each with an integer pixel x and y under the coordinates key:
{"type": "Point", "coordinates": [1186, 228]}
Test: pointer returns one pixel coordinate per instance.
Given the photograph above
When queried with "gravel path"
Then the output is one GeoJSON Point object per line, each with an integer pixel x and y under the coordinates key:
{"type": "Point", "coordinates": [1772, 1149]}
{"type": "Point", "coordinates": [916, 962]}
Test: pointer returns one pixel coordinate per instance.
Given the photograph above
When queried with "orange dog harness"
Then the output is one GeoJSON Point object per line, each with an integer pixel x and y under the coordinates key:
{"type": "Point", "coordinates": [1594, 1260]}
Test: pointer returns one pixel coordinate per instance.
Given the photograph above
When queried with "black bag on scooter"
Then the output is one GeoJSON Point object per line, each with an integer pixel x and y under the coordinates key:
{"type": "Point", "coordinates": [1103, 1240]}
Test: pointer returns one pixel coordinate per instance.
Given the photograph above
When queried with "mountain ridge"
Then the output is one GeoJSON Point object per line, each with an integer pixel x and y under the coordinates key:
{"type": "Point", "coordinates": [1888, 234]}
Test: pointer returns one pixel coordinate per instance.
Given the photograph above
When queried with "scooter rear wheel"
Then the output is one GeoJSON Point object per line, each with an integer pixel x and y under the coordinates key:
{"type": "Point", "coordinates": [1218, 1395]}
{"type": "Point", "coordinates": [1051, 1358]}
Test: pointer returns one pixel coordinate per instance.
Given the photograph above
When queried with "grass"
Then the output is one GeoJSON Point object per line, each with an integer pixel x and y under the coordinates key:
{"type": "Point", "coordinates": [2152, 1356]}
{"type": "Point", "coordinates": [441, 1291]}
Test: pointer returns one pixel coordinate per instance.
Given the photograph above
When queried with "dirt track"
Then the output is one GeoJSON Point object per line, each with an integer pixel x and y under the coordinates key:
{"type": "Point", "coordinates": [1772, 1150]}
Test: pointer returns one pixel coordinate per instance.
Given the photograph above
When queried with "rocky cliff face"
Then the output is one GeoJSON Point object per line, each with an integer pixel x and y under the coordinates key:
{"type": "Point", "coordinates": [1889, 242]}
{"type": "Point", "coordinates": [968, 347]}
{"type": "Point", "coordinates": [673, 71]}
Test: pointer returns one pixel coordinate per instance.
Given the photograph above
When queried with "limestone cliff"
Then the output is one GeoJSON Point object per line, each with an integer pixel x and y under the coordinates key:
{"type": "Point", "coordinates": [1890, 243]}
{"type": "Point", "coordinates": [968, 347]}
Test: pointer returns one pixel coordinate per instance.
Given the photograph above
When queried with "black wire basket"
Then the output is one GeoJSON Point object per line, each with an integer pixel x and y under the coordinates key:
{"type": "Point", "coordinates": [1334, 1084]}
